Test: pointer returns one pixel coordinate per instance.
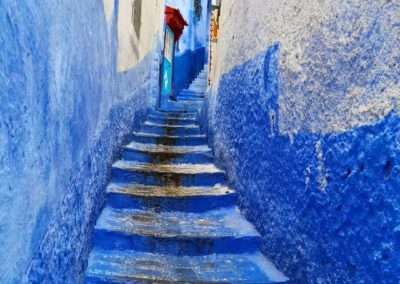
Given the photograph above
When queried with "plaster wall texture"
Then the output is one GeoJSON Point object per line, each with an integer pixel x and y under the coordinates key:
{"type": "Point", "coordinates": [136, 42]}
{"type": "Point", "coordinates": [344, 51]}
{"type": "Point", "coordinates": [303, 116]}
{"type": "Point", "coordinates": [65, 111]}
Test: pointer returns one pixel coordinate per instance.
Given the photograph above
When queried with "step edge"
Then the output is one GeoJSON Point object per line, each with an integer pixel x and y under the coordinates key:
{"type": "Point", "coordinates": [171, 151]}
{"type": "Point", "coordinates": [168, 136]}
{"type": "Point", "coordinates": [113, 188]}
{"type": "Point", "coordinates": [146, 167]}
{"type": "Point", "coordinates": [178, 238]}
{"type": "Point", "coordinates": [270, 272]}
{"type": "Point", "coordinates": [188, 126]}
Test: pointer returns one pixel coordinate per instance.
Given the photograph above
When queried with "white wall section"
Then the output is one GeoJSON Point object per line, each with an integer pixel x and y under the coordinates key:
{"type": "Point", "coordinates": [135, 43]}
{"type": "Point", "coordinates": [108, 9]}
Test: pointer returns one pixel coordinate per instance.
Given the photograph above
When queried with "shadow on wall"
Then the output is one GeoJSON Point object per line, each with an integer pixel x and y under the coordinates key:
{"type": "Point", "coordinates": [326, 205]}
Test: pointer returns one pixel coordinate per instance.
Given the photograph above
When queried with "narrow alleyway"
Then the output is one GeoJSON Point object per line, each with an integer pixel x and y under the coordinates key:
{"type": "Point", "coordinates": [169, 215]}
{"type": "Point", "coordinates": [200, 141]}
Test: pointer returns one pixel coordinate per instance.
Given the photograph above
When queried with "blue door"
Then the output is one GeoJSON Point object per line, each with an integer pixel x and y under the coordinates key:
{"type": "Point", "coordinates": [168, 62]}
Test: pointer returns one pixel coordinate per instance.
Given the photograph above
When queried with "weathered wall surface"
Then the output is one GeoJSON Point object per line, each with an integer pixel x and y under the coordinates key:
{"type": "Point", "coordinates": [138, 21]}
{"type": "Point", "coordinates": [65, 111]}
{"type": "Point", "coordinates": [304, 118]}
{"type": "Point", "coordinates": [348, 51]}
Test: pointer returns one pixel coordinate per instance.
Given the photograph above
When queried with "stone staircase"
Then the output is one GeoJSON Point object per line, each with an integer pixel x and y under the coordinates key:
{"type": "Point", "coordinates": [196, 89]}
{"type": "Point", "coordinates": [169, 216]}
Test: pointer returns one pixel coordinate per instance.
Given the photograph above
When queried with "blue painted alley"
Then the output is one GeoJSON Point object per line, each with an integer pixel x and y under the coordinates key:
{"type": "Point", "coordinates": [200, 141]}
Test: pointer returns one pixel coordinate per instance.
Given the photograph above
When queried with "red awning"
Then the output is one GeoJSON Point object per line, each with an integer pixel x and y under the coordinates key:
{"type": "Point", "coordinates": [175, 21]}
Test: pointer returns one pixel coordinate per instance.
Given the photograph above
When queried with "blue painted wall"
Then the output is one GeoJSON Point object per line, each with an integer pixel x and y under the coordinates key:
{"type": "Point", "coordinates": [327, 205]}
{"type": "Point", "coordinates": [186, 67]}
{"type": "Point", "coordinates": [195, 34]}
{"type": "Point", "coordinates": [190, 55]}
{"type": "Point", "coordinates": [64, 113]}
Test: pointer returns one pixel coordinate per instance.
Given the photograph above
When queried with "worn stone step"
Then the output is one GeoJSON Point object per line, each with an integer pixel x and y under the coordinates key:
{"type": "Point", "coordinates": [170, 130]}
{"type": "Point", "coordinates": [171, 121]}
{"type": "Point", "coordinates": [167, 174]}
{"type": "Point", "coordinates": [169, 198]}
{"type": "Point", "coordinates": [192, 94]}
{"type": "Point", "coordinates": [188, 140]}
{"type": "Point", "coordinates": [198, 85]}
{"type": "Point", "coordinates": [150, 153]}
{"type": "Point", "coordinates": [174, 115]}
{"type": "Point", "coordinates": [200, 78]}
{"type": "Point", "coordinates": [198, 90]}
{"type": "Point", "coordinates": [188, 91]}
{"type": "Point", "coordinates": [199, 82]}
{"type": "Point", "coordinates": [181, 106]}
{"type": "Point", "coordinates": [188, 99]}
{"type": "Point", "coordinates": [178, 233]}
{"type": "Point", "coordinates": [195, 95]}
{"type": "Point", "coordinates": [114, 266]}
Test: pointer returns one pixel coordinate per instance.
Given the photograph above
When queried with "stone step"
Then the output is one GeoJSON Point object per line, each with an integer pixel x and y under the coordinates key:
{"type": "Point", "coordinates": [174, 115]}
{"type": "Point", "coordinates": [187, 91]}
{"type": "Point", "coordinates": [202, 92]}
{"type": "Point", "coordinates": [197, 89]}
{"type": "Point", "coordinates": [181, 106]}
{"type": "Point", "coordinates": [188, 140]}
{"type": "Point", "coordinates": [201, 77]}
{"type": "Point", "coordinates": [178, 233]}
{"type": "Point", "coordinates": [169, 216]}
{"type": "Point", "coordinates": [114, 266]}
{"type": "Point", "coordinates": [150, 153]}
{"type": "Point", "coordinates": [169, 198]}
{"type": "Point", "coordinates": [198, 84]}
{"type": "Point", "coordinates": [171, 121]}
{"type": "Point", "coordinates": [191, 94]}
{"type": "Point", "coordinates": [189, 99]}
{"type": "Point", "coordinates": [170, 130]}
{"type": "Point", "coordinates": [167, 174]}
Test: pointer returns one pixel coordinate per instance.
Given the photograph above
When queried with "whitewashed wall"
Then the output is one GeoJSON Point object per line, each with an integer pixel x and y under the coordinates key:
{"type": "Point", "coordinates": [336, 69]}
{"type": "Point", "coordinates": [131, 47]}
